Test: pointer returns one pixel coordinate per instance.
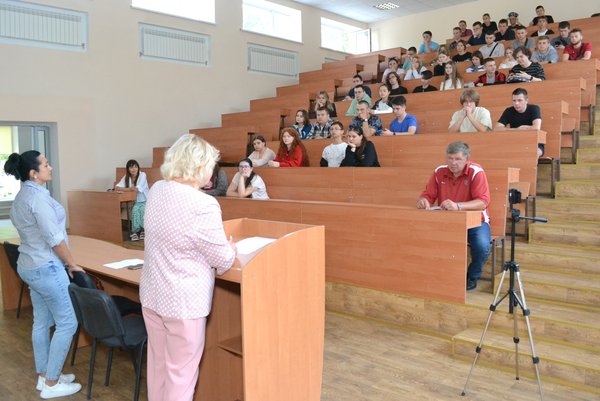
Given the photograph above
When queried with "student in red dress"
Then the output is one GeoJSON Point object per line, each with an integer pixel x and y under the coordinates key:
{"type": "Point", "coordinates": [292, 152]}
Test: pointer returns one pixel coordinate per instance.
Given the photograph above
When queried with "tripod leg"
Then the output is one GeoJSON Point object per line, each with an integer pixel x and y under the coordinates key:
{"type": "Point", "coordinates": [534, 356]}
{"type": "Point", "coordinates": [515, 338]}
{"type": "Point", "coordinates": [493, 306]}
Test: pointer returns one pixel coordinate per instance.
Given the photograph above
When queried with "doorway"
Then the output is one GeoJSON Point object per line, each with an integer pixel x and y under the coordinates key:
{"type": "Point", "coordinates": [20, 138]}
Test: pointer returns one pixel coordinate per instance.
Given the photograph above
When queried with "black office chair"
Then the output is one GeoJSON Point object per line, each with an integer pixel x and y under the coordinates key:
{"type": "Point", "coordinates": [12, 253]}
{"type": "Point", "coordinates": [125, 305]}
{"type": "Point", "coordinates": [101, 319]}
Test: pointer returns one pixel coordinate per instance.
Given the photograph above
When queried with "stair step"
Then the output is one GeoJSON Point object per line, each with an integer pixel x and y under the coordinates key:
{"type": "Point", "coordinates": [581, 289]}
{"type": "Point", "coordinates": [552, 321]}
{"type": "Point", "coordinates": [580, 171]}
{"type": "Point", "coordinates": [573, 209]}
{"type": "Point", "coordinates": [561, 363]}
{"type": "Point", "coordinates": [584, 235]}
{"type": "Point", "coordinates": [589, 189]}
{"type": "Point", "coordinates": [589, 155]}
{"type": "Point", "coordinates": [589, 141]}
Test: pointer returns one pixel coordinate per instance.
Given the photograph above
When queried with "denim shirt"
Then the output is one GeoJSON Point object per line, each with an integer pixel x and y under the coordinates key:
{"type": "Point", "coordinates": [40, 221]}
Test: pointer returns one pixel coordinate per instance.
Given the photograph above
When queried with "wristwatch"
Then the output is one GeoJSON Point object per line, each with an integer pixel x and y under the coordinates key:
{"type": "Point", "coordinates": [459, 206]}
{"type": "Point", "coordinates": [365, 120]}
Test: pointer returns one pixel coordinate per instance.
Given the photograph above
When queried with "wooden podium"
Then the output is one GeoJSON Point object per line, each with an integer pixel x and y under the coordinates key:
{"type": "Point", "coordinates": [97, 214]}
{"type": "Point", "coordinates": [265, 334]}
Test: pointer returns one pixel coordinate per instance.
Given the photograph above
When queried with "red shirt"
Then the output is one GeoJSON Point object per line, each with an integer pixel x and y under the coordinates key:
{"type": "Point", "coordinates": [291, 160]}
{"type": "Point", "coordinates": [499, 78]}
{"type": "Point", "coordinates": [471, 184]}
{"type": "Point", "coordinates": [577, 54]}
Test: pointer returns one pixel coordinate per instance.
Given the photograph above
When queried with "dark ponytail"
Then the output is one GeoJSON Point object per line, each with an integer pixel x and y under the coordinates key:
{"type": "Point", "coordinates": [19, 166]}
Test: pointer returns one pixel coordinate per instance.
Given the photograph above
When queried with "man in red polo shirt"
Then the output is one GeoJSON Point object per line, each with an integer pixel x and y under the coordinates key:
{"type": "Point", "coordinates": [462, 185]}
{"type": "Point", "coordinates": [577, 50]}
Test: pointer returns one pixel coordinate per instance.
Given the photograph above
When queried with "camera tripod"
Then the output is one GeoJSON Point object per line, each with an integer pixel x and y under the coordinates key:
{"type": "Point", "coordinates": [515, 299]}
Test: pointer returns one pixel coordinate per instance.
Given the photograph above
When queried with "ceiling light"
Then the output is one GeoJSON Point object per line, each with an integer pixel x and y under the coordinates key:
{"type": "Point", "coordinates": [386, 6]}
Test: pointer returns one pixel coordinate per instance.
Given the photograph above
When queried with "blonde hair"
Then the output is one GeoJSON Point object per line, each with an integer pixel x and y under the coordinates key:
{"type": "Point", "coordinates": [189, 158]}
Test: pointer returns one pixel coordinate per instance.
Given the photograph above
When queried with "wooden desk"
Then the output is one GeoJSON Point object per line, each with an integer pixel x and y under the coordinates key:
{"type": "Point", "coordinates": [97, 214]}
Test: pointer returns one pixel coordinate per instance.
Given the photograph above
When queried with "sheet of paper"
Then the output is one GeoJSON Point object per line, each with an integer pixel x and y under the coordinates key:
{"type": "Point", "coordinates": [435, 208]}
{"type": "Point", "coordinates": [252, 244]}
{"type": "Point", "coordinates": [124, 263]}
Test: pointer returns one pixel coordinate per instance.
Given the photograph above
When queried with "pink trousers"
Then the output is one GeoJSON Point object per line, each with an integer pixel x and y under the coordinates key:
{"type": "Point", "coordinates": [175, 348]}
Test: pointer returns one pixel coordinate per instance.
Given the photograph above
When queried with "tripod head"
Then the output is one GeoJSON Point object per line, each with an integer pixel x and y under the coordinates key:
{"type": "Point", "coordinates": [514, 197]}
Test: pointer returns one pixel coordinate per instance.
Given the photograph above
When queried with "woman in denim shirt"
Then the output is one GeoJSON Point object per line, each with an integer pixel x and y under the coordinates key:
{"type": "Point", "coordinates": [44, 253]}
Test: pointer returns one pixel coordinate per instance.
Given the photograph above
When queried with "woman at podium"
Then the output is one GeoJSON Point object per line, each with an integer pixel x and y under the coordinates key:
{"type": "Point", "coordinates": [185, 247]}
{"type": "Point", "coordinates": [135, 180]}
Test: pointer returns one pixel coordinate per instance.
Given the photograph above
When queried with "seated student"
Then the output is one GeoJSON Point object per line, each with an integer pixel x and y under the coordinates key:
{"type": "Point", "coordinates": [217, 185]}
{"type": "Point", "coordinates": [246, 183]}
{"type": "Point", "coordinates": [428, 45]}
{"type": "Point", "coordinates": [462, 185]}
{"type": "Point", "coordinates": [393, 66]}
{"type": "Point", "coordinates": [407, 57]}
{"type": "Point", "coordinates": [521, 39]}
{"type": "Point", "coordinates": [360, 152]}
{"type": "Point", "coordinates": [292, 152]}
{"type": "Point", "coordinates": [461, 52]}
{"type": "Point", "coordinates": [491, 76]}
{"type": "Point", "coordinates": [369, 124]}
{"type": "Point", "coordinates": [513, 20]}
{"type": "Point", "coordinates": [491, 47]}
{"type": "Point", "coordinates": [525, 70]}
{"type": "Point", "coordinates": [303, 125]}
{"type": "Point", "coordinates": [359, 96]}
{"type": "Point", "coordinates": [135, 180]}
{"type": "Point", "coordinates": [404, 123]}
{"type": "Point", "coordinates": [384, 104]}
{"type": "Point", "coordinates": [471, 118]}
{"type": "Point", "coordinates": [321, 129]}
{"type": "Point", "coordinates": [543, 29]}
{"type": "Point", "coordinates": [577, 50]}
{"type": "Point", "coordinates": [452, 78]}
{"type": "Point", "coordinates": [521, 115]}
{"type": "Point", "coordinates": [440, 64]}
{"type": "Point", "coordinates": [539, 10]}
{"type": "Point", "coordinates": [509, 61]}
{"type": "Point", "coordinates": [464, 31]}
{"type": "Point", "coordinates": [456, 35]}
{"type": "Point", "coordinates": [504, 31]}
{"type": "Point", "coordinates": [544, 53]}
{"type": "Point", "coordinates": [262, 155]}
{"type": "Point", "coordinates": [356, 81]}
{"type": "Point", "coordinates": [396, 89]}
{"type": "Point", "coordinates": [322, 100]}
{"type": "Point", "coordinates": [562, 40]}
{"type": "Point", "coordinates": [488, 25]}
{"type": "Point", "coordinates": [477, 38]}
{"type": "Point", "coordinates": [425, 80]}
{"type": "Point", "coordinates": [415, 70]}
{"type": "Point", "coordinates": [334, 153]}
{"type": "Point", "coordinates": [476, 62]}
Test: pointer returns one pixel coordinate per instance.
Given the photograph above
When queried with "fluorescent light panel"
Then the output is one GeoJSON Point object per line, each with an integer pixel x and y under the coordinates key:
{"type": "Point", "coordinates": [386, 6]}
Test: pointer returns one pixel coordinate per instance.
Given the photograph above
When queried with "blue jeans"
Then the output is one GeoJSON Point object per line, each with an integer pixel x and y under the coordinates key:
{"type": "Point", "coordinates": [479, 238]}
{"type": "Point", "coordinates": [48, 286]}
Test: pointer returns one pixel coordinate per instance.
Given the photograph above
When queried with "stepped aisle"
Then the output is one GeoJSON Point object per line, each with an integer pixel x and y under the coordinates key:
{"type": "Point", "coordinates": [560, 268]}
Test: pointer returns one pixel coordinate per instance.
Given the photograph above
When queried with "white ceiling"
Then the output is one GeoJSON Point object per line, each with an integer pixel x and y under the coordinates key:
{"type": "Point", "coordinates": [364, 10]}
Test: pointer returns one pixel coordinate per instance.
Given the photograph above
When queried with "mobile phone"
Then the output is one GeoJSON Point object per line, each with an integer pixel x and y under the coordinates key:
{"type": "Point", "coordinates": [135, 267]}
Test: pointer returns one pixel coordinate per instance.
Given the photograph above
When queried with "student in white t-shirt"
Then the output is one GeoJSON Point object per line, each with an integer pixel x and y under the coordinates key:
{"type": "Point", "coordinates": [246, 183]}
{"type": "Point", "coordinates": [334, 153]}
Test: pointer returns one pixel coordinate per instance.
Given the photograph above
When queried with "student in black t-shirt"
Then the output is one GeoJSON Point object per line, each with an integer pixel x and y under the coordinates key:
{"type": "Point", "coordinates": [521, 115]}
{"type": "Point", "coordinates": [425, 79]}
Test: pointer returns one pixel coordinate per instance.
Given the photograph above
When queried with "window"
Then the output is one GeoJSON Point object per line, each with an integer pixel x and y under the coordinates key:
{"type": "Point", "coordinates": [199, 10]}
{"type": "Point", "coordinates": [272, 19]}
{"type": "Point", "coordinates": [345, 38]}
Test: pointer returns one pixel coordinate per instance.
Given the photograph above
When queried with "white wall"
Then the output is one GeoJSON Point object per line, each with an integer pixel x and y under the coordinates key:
{"type": "Point", "coordinates": [406, 31]}
{"type": "Point", "coordinates": [109, 105]}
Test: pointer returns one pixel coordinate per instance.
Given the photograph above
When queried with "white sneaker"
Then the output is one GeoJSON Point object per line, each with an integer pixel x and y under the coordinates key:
{"type": "Point", "coordinates": [59, 390]}
{"type": "Point", "coordinates": [67, 378]}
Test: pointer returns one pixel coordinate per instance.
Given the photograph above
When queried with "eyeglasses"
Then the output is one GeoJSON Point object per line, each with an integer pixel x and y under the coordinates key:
{"type": "Point", "coordinates": [244, 166]}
